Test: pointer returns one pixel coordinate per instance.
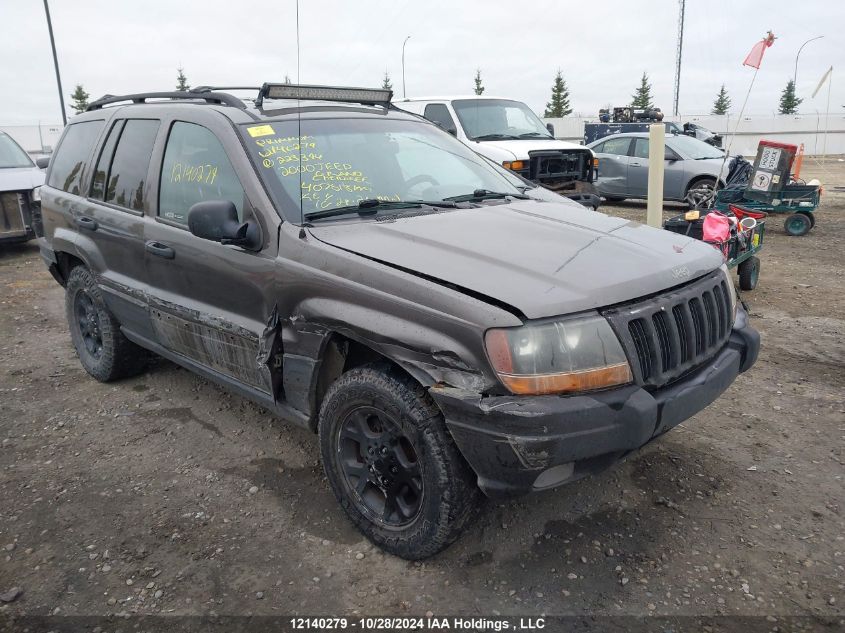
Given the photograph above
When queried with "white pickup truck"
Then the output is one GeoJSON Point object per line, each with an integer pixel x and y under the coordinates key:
{"type": "Point", "coordinates": [509, 133]}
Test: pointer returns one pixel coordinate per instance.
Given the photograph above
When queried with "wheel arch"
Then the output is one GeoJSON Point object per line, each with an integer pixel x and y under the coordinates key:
{"type": "Point", "coordinates": [341, 353]}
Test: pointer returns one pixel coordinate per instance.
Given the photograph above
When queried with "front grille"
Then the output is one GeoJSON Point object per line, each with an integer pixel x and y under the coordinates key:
{"type": "Point", "coordinates": [668, 335]}
{"type": "Point", "coordinates": [558, 165]}
{"type": "Point", "coordinates": [11, 214]}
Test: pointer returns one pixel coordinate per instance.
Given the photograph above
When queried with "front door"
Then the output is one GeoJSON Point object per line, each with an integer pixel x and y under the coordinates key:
{"type": "Point", "coordinates": [209, 303]}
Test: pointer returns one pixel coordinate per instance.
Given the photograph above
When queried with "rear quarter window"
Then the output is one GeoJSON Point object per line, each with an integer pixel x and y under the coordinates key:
{"type": "Point", "coordinates": [67, 168]}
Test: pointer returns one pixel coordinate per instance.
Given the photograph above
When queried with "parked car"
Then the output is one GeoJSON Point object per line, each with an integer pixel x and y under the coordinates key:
{"type": "Point", "coordinates": [692, 168]}
{"type": "Point", "coordinates": [360, 272]}
{"type": "Point", "coordinates": [509, 133]}
{"type": "Point", "coordinates": [20, 180]}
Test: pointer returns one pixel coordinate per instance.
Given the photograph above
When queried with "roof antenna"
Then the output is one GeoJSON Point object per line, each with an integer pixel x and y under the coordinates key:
{"type": "Point", "coordinates": [299, 129]}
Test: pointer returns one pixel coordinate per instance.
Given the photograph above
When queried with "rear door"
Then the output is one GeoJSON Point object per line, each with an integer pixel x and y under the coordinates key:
{"type": "Point", "coordinates": [613, 166]}
{"type": "Point", "coordinates": [673, 175]}
{"type": "Point", "coordinates": [210, 303]}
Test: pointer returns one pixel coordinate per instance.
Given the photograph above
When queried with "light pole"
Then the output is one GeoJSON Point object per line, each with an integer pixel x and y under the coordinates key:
{"type": "Point", "coordinates": [403, 64]}
{"type": "Point", "coordinates": [56, 63]}
{"type": "Point", "coordinates": [795, 74]}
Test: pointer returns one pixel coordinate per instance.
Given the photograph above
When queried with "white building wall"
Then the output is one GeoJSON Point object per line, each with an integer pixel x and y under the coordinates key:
{"type": "Point", "coordinates": [796, 129]}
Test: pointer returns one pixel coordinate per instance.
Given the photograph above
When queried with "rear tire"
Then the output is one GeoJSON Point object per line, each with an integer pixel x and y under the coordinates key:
{"type": "Point", "coordinates": [749, 273]}
{"type": "Point", "coordinates": [103, 350]}
{"type": "Point", "coordinates": [797, 224]}
{"type": "Point", "coordinates": [391, 463]}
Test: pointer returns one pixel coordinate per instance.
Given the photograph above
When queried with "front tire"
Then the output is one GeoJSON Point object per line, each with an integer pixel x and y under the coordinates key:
{"type": "Point", "coordinates": [699, 193]}
{"type": "Point", "coordinates": [749, 273]}
{"type": "Point", "coordinates": [103, 350]}
{"type": "Point", "coordinates": [391, 463]}
{"type": "Point", "coordinates": [798, 224]}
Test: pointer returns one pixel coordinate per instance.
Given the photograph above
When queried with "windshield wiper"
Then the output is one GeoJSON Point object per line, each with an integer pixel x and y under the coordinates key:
{"type": "Point", "coordinates": [495, 137]}
{"type": "Point", "coordinates": [534, 135]}
{"type": "Point", "coordinates": [371, 206]}
{"type": "Point", "coordinates": [486, 194]}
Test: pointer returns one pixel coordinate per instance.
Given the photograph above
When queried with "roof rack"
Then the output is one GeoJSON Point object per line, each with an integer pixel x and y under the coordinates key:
{"type": "Point", "coordinates": [366, 96]}
{"type": "Point", "coordinates": [220, 98]}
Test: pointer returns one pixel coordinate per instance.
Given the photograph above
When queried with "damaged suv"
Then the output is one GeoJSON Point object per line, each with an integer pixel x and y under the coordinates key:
{"type": "Point", "coordinates": [357, 270]}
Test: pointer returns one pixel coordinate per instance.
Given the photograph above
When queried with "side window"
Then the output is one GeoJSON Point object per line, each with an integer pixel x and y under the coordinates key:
{"type": "Point", "coordinates": [101, 172]}
{"type": "Point", "coordinates": [618, 146]}
{"type": "Point", "coordinates": [439, 114]}
{"type": "Point", "coordinates": [68, 165]}
{"type": "Point", "coordinates": [128, 172]}
{"type": "Point", "coordinates": [641, 148]}
{"type": "Point", "coordinates": [195, 169]}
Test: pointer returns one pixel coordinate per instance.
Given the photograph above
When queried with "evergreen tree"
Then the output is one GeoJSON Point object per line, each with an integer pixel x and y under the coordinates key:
{"type": "Point", "coordinates": [478, 87]}
{"type": "Point", "coordinates": [722, 103]}
{"type": "Point", "coordinates": [182, 81]}
{"type": "Point", "coordinates": [80, 99]}
{"type": "Point", "coordinates": [642, 97]}
{"type": "Point", "coordinates": [386, 85]}
{"type": "Point", "coordinates": [788, 101]}
{"type": "Point", "coordinates": [559, 105]}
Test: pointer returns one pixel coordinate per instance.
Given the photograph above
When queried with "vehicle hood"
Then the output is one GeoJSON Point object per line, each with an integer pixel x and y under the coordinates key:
{"type": "Point", "coordinates": [519, 149]}
{"type": "Point", "coordinates": [20, 178]}
{"type": "Point", "coordinates": [543, 259]}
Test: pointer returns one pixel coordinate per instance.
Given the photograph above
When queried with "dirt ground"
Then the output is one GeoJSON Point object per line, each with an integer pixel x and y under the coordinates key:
{"type": "Point", "coordinates": [165, 494]}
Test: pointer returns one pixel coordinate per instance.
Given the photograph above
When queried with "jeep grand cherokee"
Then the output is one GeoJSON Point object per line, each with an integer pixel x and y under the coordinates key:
{"type": "Point", "coordinates": [357, 270]}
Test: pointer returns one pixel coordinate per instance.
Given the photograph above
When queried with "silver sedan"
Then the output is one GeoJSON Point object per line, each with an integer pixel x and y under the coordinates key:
{"type": "Point", "coordinates": [692, 167]}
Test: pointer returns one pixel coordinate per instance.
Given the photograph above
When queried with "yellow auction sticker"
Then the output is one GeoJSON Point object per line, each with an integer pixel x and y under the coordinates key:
{"type": "Point", "coordinates": [260, 130]}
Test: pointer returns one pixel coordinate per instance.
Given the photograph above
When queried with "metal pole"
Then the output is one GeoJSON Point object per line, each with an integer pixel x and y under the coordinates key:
{"type": "Point", "coordinates": [795, 74]}
{"type": "Point", "coordinates": [403, 64]}
{"type": "Point", "coordinates": [679, 54]}
{"type": "Point", "coordinates": [56, 63]}
{"type": "Point", "coordinates": [656, 165]}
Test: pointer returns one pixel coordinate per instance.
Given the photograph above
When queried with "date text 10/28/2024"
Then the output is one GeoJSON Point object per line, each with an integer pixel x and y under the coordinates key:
{"type": "Point", "coordinates": [417, 624]}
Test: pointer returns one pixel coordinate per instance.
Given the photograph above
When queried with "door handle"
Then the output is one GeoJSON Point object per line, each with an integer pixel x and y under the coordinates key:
{"type": "Point", "coordinates": [636, 164]}
{"type": "Point", "coordinates": [84, 222]}
{"type": "Point", "coordinates": [159, 250]}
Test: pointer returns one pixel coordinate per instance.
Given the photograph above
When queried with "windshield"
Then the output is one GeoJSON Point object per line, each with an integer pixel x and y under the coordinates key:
{"type": "Point", "coordinates": [11, 155]}
{"type": "Point", "coordinates": [497, 119]}
{"type": "Point", "coordinates": [693, 148]}
{"type": "Point", "coordinates": [337, 163]}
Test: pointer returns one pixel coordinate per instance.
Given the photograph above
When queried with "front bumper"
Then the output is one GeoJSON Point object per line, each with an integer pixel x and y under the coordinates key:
{"type": "Point", "coordinates": [516, 444]}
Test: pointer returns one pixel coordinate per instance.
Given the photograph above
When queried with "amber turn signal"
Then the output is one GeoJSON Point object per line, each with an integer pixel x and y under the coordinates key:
{"type": "Point", "coordinates": [514, 165]}
{"type": "Point", "coordinates": [570, 382]}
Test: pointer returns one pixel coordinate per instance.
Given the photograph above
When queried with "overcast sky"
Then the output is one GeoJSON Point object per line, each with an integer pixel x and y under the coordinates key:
{"type": "Point", "coordinates": [123, 46]}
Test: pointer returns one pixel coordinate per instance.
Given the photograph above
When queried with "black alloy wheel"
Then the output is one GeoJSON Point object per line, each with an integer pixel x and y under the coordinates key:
{"type": "Point", "coordinates": [380, 467]}
{"type": "Point", "coordinates": [88, 322]}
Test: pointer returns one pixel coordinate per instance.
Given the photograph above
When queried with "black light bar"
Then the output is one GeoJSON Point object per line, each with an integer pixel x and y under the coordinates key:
{"type": "Point", "coordinates": [367, 96]}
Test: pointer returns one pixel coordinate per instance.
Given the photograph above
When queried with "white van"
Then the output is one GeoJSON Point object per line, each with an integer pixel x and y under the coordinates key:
{"type": "Point", "coordinates": [509, 133]}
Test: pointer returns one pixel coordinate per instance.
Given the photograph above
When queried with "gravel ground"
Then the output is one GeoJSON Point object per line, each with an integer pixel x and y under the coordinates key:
{"type": "Point", "coordinates": [165, 494]}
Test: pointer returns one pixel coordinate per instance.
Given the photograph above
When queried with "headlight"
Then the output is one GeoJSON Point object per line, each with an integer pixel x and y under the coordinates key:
{"type": "Point", "coordinates": [35, 194]}
{"type": "Point", "coordinates": [562, 356]}
{"type": "Point", "coordinates": [731, 291]}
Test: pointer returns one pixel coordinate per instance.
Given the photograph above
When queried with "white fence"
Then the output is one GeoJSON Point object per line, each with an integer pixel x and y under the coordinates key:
{"type": "Point", "coordinates": [35, 139]}
{"type": "Point", "coordinates": [796, 129]}
{"type": "Point", "coordinates": [800, 128]}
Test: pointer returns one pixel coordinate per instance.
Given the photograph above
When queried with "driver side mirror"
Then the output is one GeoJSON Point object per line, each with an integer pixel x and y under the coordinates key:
{"type": "Point", "coordinates": [550, 128]}
{"type": "Point", "coordinates": [671, 156]}
{"type": "Point", "coordinates": [217, 220]}
{"type": "Point", "coordinates": [42, 162]}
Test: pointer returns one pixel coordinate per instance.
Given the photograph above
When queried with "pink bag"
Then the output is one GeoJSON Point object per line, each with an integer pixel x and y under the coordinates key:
{"type": "Point", "coordinates": [716, 228]}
